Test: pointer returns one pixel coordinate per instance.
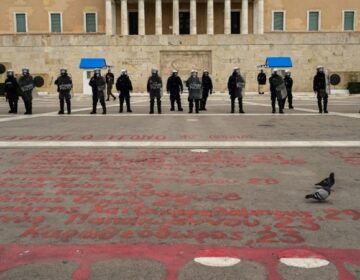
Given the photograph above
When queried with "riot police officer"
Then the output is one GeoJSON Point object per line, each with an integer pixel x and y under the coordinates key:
{"type": "Point", "coordinates": [195, 91]}
{"type": "Point", "coordinates": [277, 90]}
{"type": "Point", "coordinates": [11, 88]}
{"type": "Point", "coordinates": [124, 86]}
{"type": "Point", "coordinates": [154, 87]}
{"type": "Point", "coordinates": [98, 84]}
{"type": "Point", "coordinates": [236, 87]}
{"type": "Point", "coordinates": [174, 87]}
{"type": "Point", "coordinates": [26, 85]}
{"type": "Point", "coordinates": [319, 87]}
{"type": "Point", "coordinates": [261, 78]}
{"type": "Point", "coordinates": [288, 84]}
{"type": "Point", "coordinates": [207, 87]}
{"type": "Point", "coordinates": [64, 86]}
{"type": "Point", "coordinates": [110, 80]}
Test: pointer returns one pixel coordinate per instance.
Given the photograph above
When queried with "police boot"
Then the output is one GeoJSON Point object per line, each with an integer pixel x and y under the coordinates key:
{"type": "Point", "coordinates": [290, 103]}
{"type": "Point", "coordinates": [15, 107]}
{"type": "Point", "coordinates": [197, 105]}
{"type": "Point", "coordinates": [232, 106]}
{"type": "Point", "coordinates": [159, 106]}
{"type": "Point", "coordinates": [11, 107]}
{"type": "Point", "coordinates": [121, 106]}
{"type": "Point", "coordinates": [179, 106]}
{"type": "Point", "coordinates": [241, 109]}
{"type": "Point", "coordinates": [128, 109]}
{"type": "Point", "coordinates": [191, 106]}
{"type": "Point", "coordinates": [152, 104]}
{"type": "Point", "coordinates": [280, 103]}
{"type": "Point", "coordinates": [93, 110]}
{"type": "Point", "coordinates": [273, 106]}
{"type": "Point", "coordinates": [320, 106]}
{"type": "Point", "coordinates": [325, 105]}
{"type": "Point", "coordinates": [68, 107]}
{"type": "Point", "coordinates": [61, 112]}
{"type": "Point", "coordinates": [203, 106]}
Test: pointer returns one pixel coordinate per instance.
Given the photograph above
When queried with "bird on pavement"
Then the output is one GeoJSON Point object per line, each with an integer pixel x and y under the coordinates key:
{"type": "Point", "coordinates": [320, 195]}
{"type": "Point", "coordinates": [327, 182]}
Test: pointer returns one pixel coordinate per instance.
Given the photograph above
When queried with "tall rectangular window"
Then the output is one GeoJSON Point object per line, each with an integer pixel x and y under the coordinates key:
{"type": "Point", "coordinates": [314, 21]}
{"type": "Point", "coordinates": [349, 20]}
{"type": "Point", "coordinates": [235, 22]}
{"type": "Point", "coordinates": [55, 22]}
{"type": "Point", "coordinates": [278, 21]}
{"type": "Point", "coordinates": [20, 20]}
{"type": "Point", "coordinates": [184, 22]}
{"type": "Point", "coordinates": [90, 22]}
{"type": "Point", "coordinates": [133, 23]}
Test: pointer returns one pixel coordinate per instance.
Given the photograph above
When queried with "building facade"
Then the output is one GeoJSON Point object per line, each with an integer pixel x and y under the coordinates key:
{"type": "Point", "coordinates": [183, 34]}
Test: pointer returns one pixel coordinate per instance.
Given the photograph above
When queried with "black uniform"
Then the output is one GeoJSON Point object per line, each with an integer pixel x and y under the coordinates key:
{"type": "Point", "coordinates": [276, 82]}
{"type": "Point", "coordinates": [26, 85]}
{"type": "Point", "coordinates": [64, 86]}
{"type": "Point", "coordinates": [207, 87]}
{"type": "Point", "coordinates": [124, 86]}
{"type": "Point", "coordinates": [236, 84]}
{"type": "Point", "coordinates": [174, 86]}
{"type": "Point", "coordinates": [195, 93]}
{"type": "Point", "coordinates": [154, 86]}
{"type": "Point", "coordinates": [11, 88]}
{"type": "Point", "coordinates": [289, 84]}
{"type": "Point", "coordinates": [98, 85]}
{"type": "Point", "coordinates": [319, 86]}
{"type": "Point", "coordinates": [110, 80]}
{"type": "Point", "coordinates": [261, 79]}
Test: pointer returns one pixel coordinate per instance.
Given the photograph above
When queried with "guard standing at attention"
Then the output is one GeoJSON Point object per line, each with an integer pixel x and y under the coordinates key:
{"type": "Point", "coordinates": [110, 80]}
{"type": "Point", "coordinates": [26, 84]}
{"type": "Point", "coordinates": [11, 91]}
{"type": "Point", "coordinates": [154, 87]}
{"type": "Point", "coordinates": [174, 87]}
{"type": "Point", "coordinates": [124, 86]}
{"type": "Point", "coordinates": [98, 85]}
{"type": "Point", "coordinates": [289, 85]}
{"type": "Point", "coordinates": [207, 87]}
{"type": "Point", "coordinates": [261, 78]}
{"type": "Point", "coordinates": [64, 87]}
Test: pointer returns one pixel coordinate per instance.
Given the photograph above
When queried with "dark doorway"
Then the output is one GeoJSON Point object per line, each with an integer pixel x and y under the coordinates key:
{"type": "Point", "coordinates": [235, 22]}
{"type": "Point", "coordinates": [184, 22]}
{"type": "Point", "coordinates": [133, 23]}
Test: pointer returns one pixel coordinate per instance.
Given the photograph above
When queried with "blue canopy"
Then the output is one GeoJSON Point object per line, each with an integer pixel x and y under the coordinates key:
{"type": "Point", "coordinates": [278, 62]}
{"type": "Point", "coordinates": [92, 63]}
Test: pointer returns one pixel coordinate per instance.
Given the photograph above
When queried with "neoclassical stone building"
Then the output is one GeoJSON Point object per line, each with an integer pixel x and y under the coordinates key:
{"type": "Point", "coordinates": [183, 34]}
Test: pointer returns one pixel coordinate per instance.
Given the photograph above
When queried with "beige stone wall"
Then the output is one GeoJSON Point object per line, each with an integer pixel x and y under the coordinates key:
{"type": "Point", "coordinates": [45, 54]}
{"type": "Point", "coordinates": [38, 14]}
{"type": "Point", "coordinates": [296, 13]}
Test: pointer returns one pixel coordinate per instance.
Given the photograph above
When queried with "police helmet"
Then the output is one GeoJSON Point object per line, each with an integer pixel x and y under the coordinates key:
{"type": "Point", "coordinates": [154, 71]}
{"type": "Point", "coordinates": [10, 73]}
{"type": "Point", "coordinates": [63, 71]}
{"type": "Point", "coordinates": [25, 71]}
{"type": "Point", "coordinates": [97, 71]}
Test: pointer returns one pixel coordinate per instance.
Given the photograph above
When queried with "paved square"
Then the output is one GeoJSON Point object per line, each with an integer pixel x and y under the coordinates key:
{"type": "Point", "coordinates": [180, 196]}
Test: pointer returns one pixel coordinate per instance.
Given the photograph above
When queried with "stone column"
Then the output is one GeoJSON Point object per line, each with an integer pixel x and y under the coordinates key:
{"type": "Point", "coordinates": [141, 8]}
{"type": "Point", "coordinates": [158, 17]}
{"type": "Point", "coordinates": [260, 13]}
{"type": "Point", "coordinates": [210, 17]}
{"type": "Point", "coordinates": [227, 17]}
{"type": "Point", "coordinates": [109, 22]}
{"type": "Point", "coordinates": [193, 25]}
{"type": "Point", "coordinates": [244, 17]}
{"type": "Point", "coordinates": [175, 24]}
{"type": "Point", "coordinates": [255, 17]}
{"type": "Point", "coordinates": [124, 18]}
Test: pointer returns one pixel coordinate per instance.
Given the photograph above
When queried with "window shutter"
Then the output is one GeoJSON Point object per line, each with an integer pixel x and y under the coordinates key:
{"type": "Point", "coordinates": [349, 18]}
{"type": "Point", "coordinates": [90, 22]}
{"type": "Point", "coordinates": [278, 21]}
{"type": "Point", "coordinates": [55, 22]}
{"type": "Point", "coordinates": [20, 23]}
{"type": "Point", "coordinates": [314, 21]}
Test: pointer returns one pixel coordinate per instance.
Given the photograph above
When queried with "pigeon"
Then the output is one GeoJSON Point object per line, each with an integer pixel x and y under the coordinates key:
{"type": "Point", "coordinates": [320, 195]}
{"type": "Point", "coordinates": [327, 182]}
